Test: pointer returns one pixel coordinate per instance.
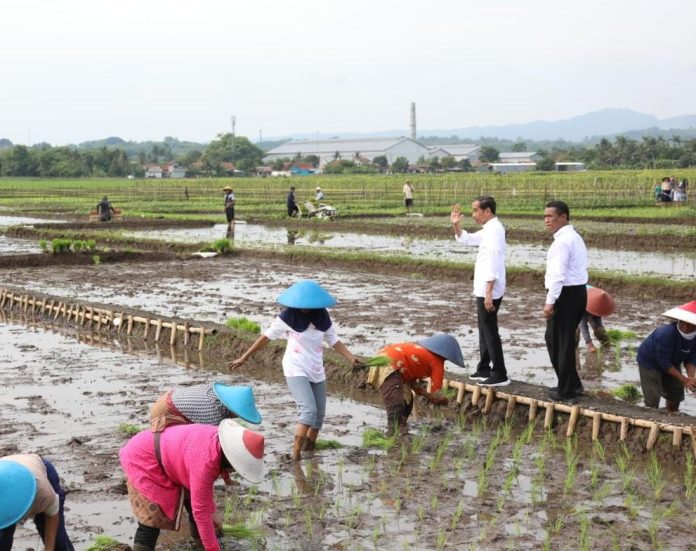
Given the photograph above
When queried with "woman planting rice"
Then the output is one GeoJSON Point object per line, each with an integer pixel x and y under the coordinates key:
{"type": "Point", "coordinates": [306, 324]}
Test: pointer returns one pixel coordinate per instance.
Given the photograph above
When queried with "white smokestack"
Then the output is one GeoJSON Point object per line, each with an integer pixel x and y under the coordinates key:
{"type": "Point", "coordinates": [413, 120]}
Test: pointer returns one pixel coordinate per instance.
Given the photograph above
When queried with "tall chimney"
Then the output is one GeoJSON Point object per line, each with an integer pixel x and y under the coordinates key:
{"type": "Point", "coordinates": [413, 120]}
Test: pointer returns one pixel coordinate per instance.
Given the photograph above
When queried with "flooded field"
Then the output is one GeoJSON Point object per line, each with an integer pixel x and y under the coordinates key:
{"type": "Point", "coordinates": [451, 484]}
{"type": "Point", "coordinates": [11, 245]}
{"type": "Point", "coordinates": [678, 265]}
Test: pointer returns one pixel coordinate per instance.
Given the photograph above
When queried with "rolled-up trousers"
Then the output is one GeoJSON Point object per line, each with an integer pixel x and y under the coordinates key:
{"type": "Point", "coordinates": [560, 337]}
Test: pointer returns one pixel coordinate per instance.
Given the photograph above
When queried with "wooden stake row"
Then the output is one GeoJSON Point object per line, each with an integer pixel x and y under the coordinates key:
{"type": "Point", "coordinates": [574, 412]}
{"type": "Point", "coordinates": [102, 318]}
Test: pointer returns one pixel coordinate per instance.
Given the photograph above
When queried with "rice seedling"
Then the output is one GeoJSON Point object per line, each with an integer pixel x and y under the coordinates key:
{"type": "Point", "coordinates": [440, 452]}
{"type": "Point", "coordinates": [594, 474]}
{"type": "Point", "coordinates": [128, 429]}
{"type": "Point", "coordinates": [43, 245]}
{"type": "Point", "coordinates": [571, 456]}
{"type": "Point", "coordinates": [600, 493]}
{"type": "Point", "coordinates": [103, 543]}
{"type": "Point", "coordinates": [328, 445]}
{"type": "Point", "coordinates": [441, 538]}
{"type": "Point", "coordinates": [243, 324]}
{"type": "Point", "coordinates": [655, 476]}
{"type": "Point", "coordinates": [96, 259]}
{"type": "Point", "coordinates": [419, 440]}
{"type": "Point", "coordinates": [628, 393]}
{"type": "Point", "coordinates": [689, 477]}
{"type": "Point", "coordinates": [242, 531]}
{"type": "Point", "coordinates": [616, 335]}
{"type": "Point", "coordinates": [584, 535]}
{"type": "Point", "coordinates": [373, 438]}
{"type": "Point", "coordinates": [623, 463]}
{"type": "Point", "coordinates": [461, 421]}
{"type": "Point", "coordinates": [598, 449]}
{"type": "Point", "coordinates": [457, 514]}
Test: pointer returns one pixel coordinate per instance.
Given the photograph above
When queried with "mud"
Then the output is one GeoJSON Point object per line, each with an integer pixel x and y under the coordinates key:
{"type": "Point", "coordinates": [33, 260]}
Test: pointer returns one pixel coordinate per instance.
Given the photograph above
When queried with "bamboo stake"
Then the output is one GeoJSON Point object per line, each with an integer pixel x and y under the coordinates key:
{"type": "Point", "coordinates": [533, 409]}
{"type": "Point", "coordinates": [490, 396]}
{"type": "Point", "coordinates": [158, 331]}
{"type": "Point", "coordinates": [186, 334]}
{"type": "Point", "coordinates": [574, 413]}
{"type": "Point", "coordinates": [4, 298]}
{"type": "Point", "coordinates": [461, 388]}
{"type": "Point", "coordinates": [476, 395]}
{"type": "Point", "coordinates": [172, 335]}
{"type": "Point", "coordinates": [83, 314]}
{"type": "Point", "coordinates": [623, 433]}
{"type": "Point", "coordinates": [548, 418]}
{"type": "Point", "coordinates": [57, 311]}
{"type": "Point", "coordinates": [677, 437]}
{"type": "Point", "coordinates": [43, 305]}
{"type": "Point", "coordinates": [99, 322]}
{"type": "Point", "coordinates": [652, 436]}
{"type": "Point", "coordinates": [26, 303]}
{"type": "Point", "coordinates": [147, 329]}
{"type": "Point", "coordinates": [512, 400]}
{"type": "Point", "coordinates": [130, 326]}
{"type": "Point", "coordinates": [596, 422]}
{"type": "Point", "coordinates": [201, 339]}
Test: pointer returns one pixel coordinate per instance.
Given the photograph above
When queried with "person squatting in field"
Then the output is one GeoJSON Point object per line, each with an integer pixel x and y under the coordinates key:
{"type": "Point", "coordinates": [30, 488]}
{"type": "Point", "coordinates": [167, 471]}
{"type": "Point", "coordinates": [600, 304]}
{"type": "Point", "coordinates": [306, 324]}
{"type": "Point", "coordinates": [410, 364]}
{"type": "Point", "coordinates": [661, 355]}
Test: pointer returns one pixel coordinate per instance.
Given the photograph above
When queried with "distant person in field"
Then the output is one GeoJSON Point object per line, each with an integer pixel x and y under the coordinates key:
{"type": "Point", "coordinates": [105, 210]}
{"type": "Point", "coordinates": [293, 209]}
{"type": "Point", "coordinates": [661, 355]}
{"type": "Point", "coordinates": [408, 196]}
{"type": "Point", "coordinates": [230, 201]}
{"type": "Point", "coordinates": [666, 190]}
{"type": "Point", "coordinates": [600, 304]}
{"type": "Point", "coordinates": [320, 195]}
{"type": "Point", "coordinates": [679, 191]}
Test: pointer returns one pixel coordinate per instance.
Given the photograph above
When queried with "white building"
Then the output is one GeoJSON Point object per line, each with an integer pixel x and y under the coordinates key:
{"type": "Point", "coordinates": [459, 151]}
{"type": "Point", "coordinates": [567, 166]}
{"type": "Point", "coordinates": [506, 168]}
{"type": "Point", "coordinates": [519, 157]}
{"type": "Point", "coordinates": [357, 150]}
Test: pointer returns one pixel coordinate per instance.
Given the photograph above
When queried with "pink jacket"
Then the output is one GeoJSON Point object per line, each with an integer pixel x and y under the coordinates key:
{"type": "Point", "coordinates": [191, 455]}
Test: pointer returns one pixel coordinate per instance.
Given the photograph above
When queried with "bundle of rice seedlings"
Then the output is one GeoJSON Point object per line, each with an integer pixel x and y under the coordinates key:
{"type": "Point", "coordinates": [103, 543]}
{"type": "Point", "coordinates": [373, 438]}
{"type": "Point", "coordinates": [328, 445]}
{"type": "Point", "coordinates": [628, 393]}
{"type": "Point", "coordinates": [129, 429]}
{"type": "Point", "coordinates": [241, 531]}
{"type": "Point", "coordinates": [244, 324]}
{"type": "Point", "coordinates": [616, 335]}
{"type": "Point", "coordinates": [374, 361]}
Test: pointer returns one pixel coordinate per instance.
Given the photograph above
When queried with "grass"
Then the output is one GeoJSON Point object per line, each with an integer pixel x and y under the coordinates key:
{"type": "Point", "coordinates": [129, 429]}
{"type": "Point", "coordinates": [373, 438]}
{"type": "Point", "coordinates": [244, 324]}
{"type": "Point", "coordinates": [103, 543]}
{"type": "Point", "coordinates": [220, 246]}
{"type": "Point", "coordinates": [628, 392]}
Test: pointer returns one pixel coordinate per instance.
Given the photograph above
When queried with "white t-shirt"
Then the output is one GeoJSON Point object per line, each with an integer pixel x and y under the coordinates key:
{"type": "Point", "coordinates": [304, 353]}
{"type": "Point", "coordinates": [46, 500]}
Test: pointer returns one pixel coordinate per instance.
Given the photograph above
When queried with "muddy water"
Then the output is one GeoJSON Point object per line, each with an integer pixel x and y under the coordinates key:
{"type": "Point", "coordinates": [449, 485]}
{"type": "Point", "coordinates": [11, 245]}
{"type": "Point", "coordinates": [25, 220]}
{"type": "Point", "coordinates": [674, 265]}
{"type": "Point", "coordinates": [373, 309]}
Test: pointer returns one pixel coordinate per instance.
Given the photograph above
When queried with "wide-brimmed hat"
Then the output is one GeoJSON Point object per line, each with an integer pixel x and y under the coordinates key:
{"type": "Point", "coordinates": [227, 188]}
{"type": "Point", "coordinates": [17, 492]}
{"type": "Point", "coordinates": [444, 345]}
{"type": "Point", "coordinates": [306, 294]}
{"type": "Point", "coordinates": [243, 448]}
{"type": "Point", "coordinates": [318, 188]}
{"type": "Point", "coordinates": [685, 312]}
{"type": "Point", "coordinates": [599, 302]}
{"type": "Point", "coordinates": [239, 400]}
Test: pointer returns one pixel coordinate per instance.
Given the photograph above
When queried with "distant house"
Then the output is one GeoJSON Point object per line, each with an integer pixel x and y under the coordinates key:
{"type": "Point", "coordinates": [153, 171]}
{"type": "Point", "coordinates": [506, 168]}
{"type": "Point", "coordinates": [263, 170]}
{"type": "Point", "coordinates": [460, 151]}
{"type": "Point", "coordinates": [299, 169]}
{"type": "Point", "coordinates": [567, 166]}
{"type": "Point", "coordinates": [360, 151]}
{"type": "Point", "coordinates": [519, 157]}
{"type": "Point", "coordinates": [174, 170]}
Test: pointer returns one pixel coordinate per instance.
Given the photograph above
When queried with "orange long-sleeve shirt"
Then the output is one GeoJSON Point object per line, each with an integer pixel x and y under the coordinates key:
{"type": "Point", "coordinates": [415, 362]}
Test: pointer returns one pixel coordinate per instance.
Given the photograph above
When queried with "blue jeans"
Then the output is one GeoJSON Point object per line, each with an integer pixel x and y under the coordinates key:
{"type": "Point", "coordinates": [62, 540]}
{"type": "Point", "coordinates": [310, 399]}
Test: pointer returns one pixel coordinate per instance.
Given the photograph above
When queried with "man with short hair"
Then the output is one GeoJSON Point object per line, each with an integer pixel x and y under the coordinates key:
{"type": "Point", "coordinates": [566, 298]}
{"type": "Point", "coordinates": [230, 201]}
{"type": "Point", "coordinates": [489, 285]}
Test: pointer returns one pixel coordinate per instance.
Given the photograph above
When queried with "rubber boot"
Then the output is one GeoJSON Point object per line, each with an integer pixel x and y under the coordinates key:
{"type": "Point", "coordinates": [310, 444]}
{"type": "Point", "coordinates": [300, 439]}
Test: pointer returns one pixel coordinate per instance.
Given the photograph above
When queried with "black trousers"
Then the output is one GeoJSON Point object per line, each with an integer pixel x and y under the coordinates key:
{"type": "Point", "coordinates": [560, 337]}
{"type": "Point", "coordinates": [490, 347]}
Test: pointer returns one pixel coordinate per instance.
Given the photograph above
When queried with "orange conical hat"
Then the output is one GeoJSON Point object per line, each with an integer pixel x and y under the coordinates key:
{"type": "Point", "coordinates": [599, 302]}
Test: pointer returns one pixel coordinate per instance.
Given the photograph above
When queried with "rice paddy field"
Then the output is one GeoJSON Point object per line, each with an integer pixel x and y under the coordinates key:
{"type": "Point", "coordinates": [466, 476]}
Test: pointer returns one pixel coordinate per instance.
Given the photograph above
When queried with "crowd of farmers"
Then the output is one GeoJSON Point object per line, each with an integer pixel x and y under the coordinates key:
{"type": "Point", "coordinates": [671, 190]}
{"type": "Point", "coordinates": [194, 436]}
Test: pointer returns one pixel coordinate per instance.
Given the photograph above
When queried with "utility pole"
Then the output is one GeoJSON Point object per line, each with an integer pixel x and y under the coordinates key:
{"type": "Point", "coordinates": [234, 124]}
{"type": "Point", "coordinates": [260, 135]}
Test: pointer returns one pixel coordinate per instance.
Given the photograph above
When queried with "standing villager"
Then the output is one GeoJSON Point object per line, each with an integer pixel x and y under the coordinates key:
{"type": "Point", "coordinates": [207, 404]}
{"type": "Point", "coordinates": [410, 364]}
{"type": "Point", "coordinates": [160, 467]}
{"type": "Point", "coordinates": [408, 196]}
{"type": "Point", "coordinates": [489, 285]}
{"type": "Point", "coordinates": [566, 298]}
{"type": "Point", "coordinates": [600, 304]}
{"type": "Point", "coordinates": [306, 324]}
{"type": "Point", "coordinates": [293, 209]}
{"type": "Point", "coordinates": [661, 355]}
{"type": "Point", "coordinates": [105, 209]}
{"type": "Point", "coordinates": [230, 201]}
{"type": "Point", "coordinates": [30, 488]}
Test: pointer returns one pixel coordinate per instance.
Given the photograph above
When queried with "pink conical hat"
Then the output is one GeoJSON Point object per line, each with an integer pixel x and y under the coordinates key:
{"type": "Point", "coordinates": [685, 312]}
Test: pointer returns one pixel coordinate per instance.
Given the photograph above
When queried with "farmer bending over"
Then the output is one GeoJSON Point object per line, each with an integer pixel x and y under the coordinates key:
{"type": "Point", "coordinates": [410, 363]}
{"type": "Point", "coordinates": [105, 209]}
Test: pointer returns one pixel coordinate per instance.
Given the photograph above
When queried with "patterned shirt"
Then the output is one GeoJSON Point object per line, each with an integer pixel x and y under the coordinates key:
{"type": "Point", "coordinates": [199, 404]}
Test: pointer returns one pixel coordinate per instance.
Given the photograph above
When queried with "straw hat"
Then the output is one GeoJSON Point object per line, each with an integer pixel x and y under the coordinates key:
{"type": "Point", "coordinates": [239, 400]}
{"type": "Point", "coordinates": [685, 312]}
{"type": "Point", "coordinates": [599, 302]}
{"type": "Point", "coordinates": [308, 294]}
{"type": "Point", "coordinates": [318, 188]}
{"type": "Point", "coordinates": [446, 346]}
{"type": "Point", "coordinates": [243, 448]}
{"type": "Point", "coordinates": [17, 492]}
{"type": "Point", "coordinates": [227, 188]}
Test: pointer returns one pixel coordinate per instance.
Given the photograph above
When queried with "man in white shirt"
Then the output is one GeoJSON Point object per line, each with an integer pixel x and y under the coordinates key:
{"type": "Point", "coordinates": [489, 285]}
{"type": "Point", "coordinates": [408, 196]}
{"type": "Point", "coordinates": [566, 298]}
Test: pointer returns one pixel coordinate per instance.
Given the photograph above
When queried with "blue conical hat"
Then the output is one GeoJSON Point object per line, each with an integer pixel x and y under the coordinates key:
{"type": "Point", "coordinates": [446, 346]}
{"type": "Point", "coordinates": [239, 400]}
{"type": "Point", "coordinates": [17, 492]}
{"type": "Point", "coordinates": [306, 294]}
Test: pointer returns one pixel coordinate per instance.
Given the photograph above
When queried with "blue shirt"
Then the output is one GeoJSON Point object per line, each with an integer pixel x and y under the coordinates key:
{"type": "Point", "coordinates": [665, 348]}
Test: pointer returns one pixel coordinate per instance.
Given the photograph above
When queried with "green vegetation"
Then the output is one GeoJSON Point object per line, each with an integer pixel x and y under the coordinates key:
{"type": "Point", "coordinates": [242, 531]}
{"type": "Point", "coordinates": [243, 324]}
{"type": "Point", "coordinates": [628, 393]}
{"type": "Point", "coordinates": [128, 429]}
{"type": "Point", "coordinates": [96, 259]}
{"type": "Point", "coordinates": [616, 335]}
{"type": "Point", "coordinates": [103, 543]}
{"type": "Point", "coordinates": [220, 246]}
{"type": "Point", "coordinates": [66, 245]}
{"type": "Point", "coordinates": [328, 445]}
{"type": "Point", "coordinates": [373, 438]}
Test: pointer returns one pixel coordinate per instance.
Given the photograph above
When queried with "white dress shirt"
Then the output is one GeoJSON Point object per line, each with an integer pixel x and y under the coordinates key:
{"type": "Point", "coordinates": [304, 353]}
{"type": "Point", "coordinates": [490, 260]}
{"type": "Point", "coordinates": [566, 262]}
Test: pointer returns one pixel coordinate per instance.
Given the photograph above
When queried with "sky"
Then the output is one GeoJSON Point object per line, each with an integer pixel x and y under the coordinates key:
{"type": "Point", "coordinates": [77, 70]}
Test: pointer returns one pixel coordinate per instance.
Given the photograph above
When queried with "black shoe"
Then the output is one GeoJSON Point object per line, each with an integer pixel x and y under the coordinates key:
{"type": "Point", "coordinates": [556, 397]}
{"type": "Point", "coordinates": [578, 392]}
{"type": "Point", "coordinates": [496, 380]}
{"type": "Point", "coordinates": [480, 375]}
